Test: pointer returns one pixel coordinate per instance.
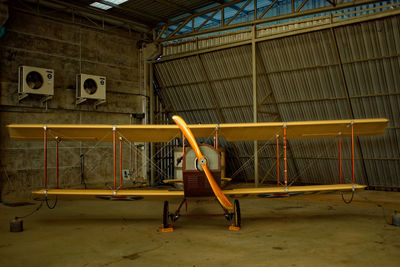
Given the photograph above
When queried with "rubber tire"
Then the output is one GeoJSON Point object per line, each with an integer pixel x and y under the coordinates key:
{"type": "Point", "coordinates": [237, 220]}
{"type": "Point", "coordinates": [165, 215]}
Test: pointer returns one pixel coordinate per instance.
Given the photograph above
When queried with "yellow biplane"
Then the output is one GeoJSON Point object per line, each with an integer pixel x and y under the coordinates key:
{"type": "Point", "coordinates": [210, 187]}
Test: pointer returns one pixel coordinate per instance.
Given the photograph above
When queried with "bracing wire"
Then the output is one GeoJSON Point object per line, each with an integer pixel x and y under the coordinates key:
{"type": "Point", "coordinates": [378, 205]}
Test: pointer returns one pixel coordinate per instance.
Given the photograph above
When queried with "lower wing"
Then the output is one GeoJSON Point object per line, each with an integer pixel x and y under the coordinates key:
{"type": "Point", "coordinates": [277, 192]}
{"type": "Point", "coordinates": [108, 194]}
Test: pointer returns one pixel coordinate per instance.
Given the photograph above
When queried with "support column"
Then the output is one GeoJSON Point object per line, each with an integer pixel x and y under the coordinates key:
{"type": "Point", "coordinates": [340, 158]}
{"type": "Point", "coordinates": [57, 162]}
{"type": "Point", "coordinates": [120, 163]}
{"type": "Point", "coordinates": [285, 156]}
{"type": "Point", "coordinates": [114, 156]}
{"type": "Point", "coordinates": [277, 160]}
{"type": "Point", "coordinates": [151, 92]}
{"type": "Point", "coordinates": [45, 155]}
{"type": "Point", "coordinates": [255, 106]}
{"type": "Point", "coordinates": [352, 152]}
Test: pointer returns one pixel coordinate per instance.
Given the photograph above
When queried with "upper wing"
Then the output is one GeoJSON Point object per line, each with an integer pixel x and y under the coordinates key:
{"type": "Point", "coordinates": [230, 131]}
{"type": "Point", "coordinates": [262, 192]}
{"type": "Point", "coordinates": [108, 194]}
{"type": "Point", "coordinates": [274, 192]}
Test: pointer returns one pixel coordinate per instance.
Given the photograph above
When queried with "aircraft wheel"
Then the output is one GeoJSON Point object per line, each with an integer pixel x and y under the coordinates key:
{"type": "Point", "coordinates": [236, 215]}
{"type": "Point", "coordinates": [166, 215]}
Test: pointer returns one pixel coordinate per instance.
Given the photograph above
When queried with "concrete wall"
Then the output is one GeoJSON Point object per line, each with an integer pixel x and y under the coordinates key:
{"type": "Point", "coordinates": [68, 49]}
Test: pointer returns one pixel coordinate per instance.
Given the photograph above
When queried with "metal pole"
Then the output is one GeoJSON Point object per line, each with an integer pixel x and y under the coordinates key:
{"type": "Point", "coordinates": [114, 155]}
{"type": "Point", "coordinates": [120, 162]}
{"type": "Point", "coordinates": [45, 155]}
{"type": "Point", "coordinates": [57, 164]}
{"type": "Point", "coordinates": [277, 159]}
{"type": "Point", "coordinates": [340, 158]}
{"type": "Point", "coordinates": [216, 139]}
{"type": "Point", "coordinates": [152, 145]}
{"type": "Point", "coordinates": [352, 150]}
{"type": "Point", "coordinates": [284, 147]}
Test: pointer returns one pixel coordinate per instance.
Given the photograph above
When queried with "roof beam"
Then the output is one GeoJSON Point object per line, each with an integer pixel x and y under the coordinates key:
{"type": "Point", "coordinates": [234, 7]}
{"type": "Point", "coordinates": [261, 20]}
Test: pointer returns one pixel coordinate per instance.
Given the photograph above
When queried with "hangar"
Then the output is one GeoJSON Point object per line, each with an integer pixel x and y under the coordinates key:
{"type": "Point", "coordinates": [281, 98]}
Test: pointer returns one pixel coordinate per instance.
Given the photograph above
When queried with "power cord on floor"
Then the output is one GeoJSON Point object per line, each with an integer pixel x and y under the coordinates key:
{"type": "Point", "coordinates": [29, 214]}
{"type": "Point", "coordinates": [39, 207]}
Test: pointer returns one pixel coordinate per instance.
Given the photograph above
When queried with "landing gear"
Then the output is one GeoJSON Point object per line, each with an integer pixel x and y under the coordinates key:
{"type": "Point", "coordinates": [236, 217]}
{"type": "Point", "coordinates": [166, 226]}
{"type": "Point", "coordinates": [237, 220]}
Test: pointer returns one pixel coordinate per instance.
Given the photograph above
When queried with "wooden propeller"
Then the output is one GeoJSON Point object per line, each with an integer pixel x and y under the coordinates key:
{"type": "Point", "coordinates": [223, 200]}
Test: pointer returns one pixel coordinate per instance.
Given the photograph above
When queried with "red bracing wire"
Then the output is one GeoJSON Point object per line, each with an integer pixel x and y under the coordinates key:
{"type": "Point", "coordinates": [340, 159]}
{"type": "Point", "coordinates": [277, 160]}
{"type": "Point", "coordinates": [352, 150]}
{"type": "Point", "coordinates": [114, 156]}
{"type": "Point", "coordinates": [216, 140]}
{"type": "Point", "coordinates": [56, 163]}
{"type": "Point", "coordinates": [45, 156]}
{"type": "Point", "coordinates": [284, 147]}
{"type": "Point", "coordinates": [120, 163]}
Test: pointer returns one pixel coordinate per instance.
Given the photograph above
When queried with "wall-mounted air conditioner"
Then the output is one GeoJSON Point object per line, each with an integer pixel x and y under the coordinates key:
{"type": "Point", "coordinates": [90, 87]}
{"type": "Point", "coordinates": [37, 81]}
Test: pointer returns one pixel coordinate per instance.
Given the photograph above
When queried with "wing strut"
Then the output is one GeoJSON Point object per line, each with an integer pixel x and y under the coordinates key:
{"type": "Point", "coordinates": [223, 200]}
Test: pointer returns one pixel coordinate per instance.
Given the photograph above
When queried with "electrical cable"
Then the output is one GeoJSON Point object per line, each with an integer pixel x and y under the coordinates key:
{"type": "Point", "coordinates": [29, 214]}
{"type": "Point", "coordinates": [379, 206]}
{"type": "Point", "coordinates": [39, 207]}
{"type": "Point", "coordinates": [351, 199]}
{"type": "Point", "coordinates": [54, 205]}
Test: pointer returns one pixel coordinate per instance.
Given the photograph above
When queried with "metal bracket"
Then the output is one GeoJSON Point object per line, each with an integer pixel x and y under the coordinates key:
{"type": "Point", "coordinates": [80, 100]}
{"type": "Point", "coordinates": [46, 98]}
{"type": "Point", "coordinates": [99, 102]}
{"type": "Point", "coordinates": [22, 96]}
{"type": "Point", "coordinates": [286, 189]}
{"type": "Point", "coordinates": [350, 124]}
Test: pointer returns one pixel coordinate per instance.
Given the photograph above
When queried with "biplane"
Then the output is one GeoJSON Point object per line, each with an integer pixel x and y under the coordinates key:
{"type": "Point", "coordinates": [203, 182]}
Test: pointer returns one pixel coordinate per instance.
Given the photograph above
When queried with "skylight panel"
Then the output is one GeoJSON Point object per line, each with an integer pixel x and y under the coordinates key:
{"type": "Point", "coordinates": [100, 5]}
{"type": "Point", "coordinates": [116, 2]}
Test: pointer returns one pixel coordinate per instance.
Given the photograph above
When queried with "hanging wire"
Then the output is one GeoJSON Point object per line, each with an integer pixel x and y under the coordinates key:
{"type": "Point", "coordinates": [248, 162]}
{"type": "Point", "coordinates": [53, 134]}
{"type": "Point", "coordinates": [378, 205]}
{"type": "Point", "coordinates": [150, 160]}
{"type": "Point", "coordinates": [312, 163]}
{"type": "Point", "coordinates": [351, 199]}
{"type": "Point", "coordinates": [54, 205]}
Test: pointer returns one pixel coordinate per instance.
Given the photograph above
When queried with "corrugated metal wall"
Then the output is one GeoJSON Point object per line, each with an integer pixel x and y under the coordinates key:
{"type": "Point", "coordinates": [338, 73]}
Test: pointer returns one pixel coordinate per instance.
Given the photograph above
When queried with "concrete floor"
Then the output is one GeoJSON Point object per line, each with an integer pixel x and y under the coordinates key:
{"type": "Point", "coordinates": [317, 230]}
